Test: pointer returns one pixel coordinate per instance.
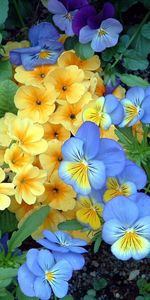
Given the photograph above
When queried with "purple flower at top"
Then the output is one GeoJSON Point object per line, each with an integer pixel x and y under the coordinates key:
{"type": "Point", "coordinates": [87, 15]}
{"type": "Point", "coordinates": [45, 48]}
{"type": "Point", "coordinates": [74, 4]}
{"type": "Point", "coordinates": [105, 36]}
{"type": "Point", "coordinates": [63, 245]}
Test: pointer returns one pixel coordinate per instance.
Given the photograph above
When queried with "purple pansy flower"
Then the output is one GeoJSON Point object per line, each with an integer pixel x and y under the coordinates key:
{"type": "Point", "coordinates": [87, 15]}
{"type": "Point", "coordinates": [45, 49]}
{"type": "Point", "coordinates": [105, 36]}
{"type": "Point", "coordinates": [63, 245]}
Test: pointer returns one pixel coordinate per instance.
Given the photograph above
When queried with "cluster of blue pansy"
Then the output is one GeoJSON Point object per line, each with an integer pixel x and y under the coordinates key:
{"type": "Point", "coordinates": [81, 18]}
{"type": "Point", "coordinates": [90, 162]}
{"type": "Point", "coordinates": [45, 271]}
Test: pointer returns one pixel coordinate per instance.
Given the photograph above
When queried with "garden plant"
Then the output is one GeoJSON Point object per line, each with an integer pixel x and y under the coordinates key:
{"type": "Point", "coordinates": [74, 147]}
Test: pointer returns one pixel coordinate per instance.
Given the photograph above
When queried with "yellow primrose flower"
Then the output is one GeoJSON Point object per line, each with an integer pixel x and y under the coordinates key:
{"type": "Point", "coordinates": [33, 77]}
{"type": "Point", "coordinates": [2, 152]}
{"type": "Point", "coordinates": [35, 102]}
{"type": "Point", "coordinates": [28, 135]}
{"type": "Point", "coordinates": [119, 92]}
{"type": "Point", "coordinates": [69, 58]}
{"type": "Point", "coordinates": [58, 194]}
{"type": "Point", "coordinates": [21, 210]}
{"type": "Point", "coordinates": [6, 190]}
{"type": "Point", "coordinates": [90, 213]}
{"type": "Point", "coordinates": [97, 86]}
{"type": "Point", "coordinates": [11, 46]}
{"type": "Point", "coordinates": [55, 132]}
{"type": "Point", "coordinates": [16, 158]}
{"type": "Point", "coordinates": [137, 131]}
{"type": "Point", "coordinates": [70, 115]}
{"type": "Point", "coordinates": [29, 184]}
{"type": "Point", "coordinates": [110, 133]}
{"type": "Point", "coordinates": [68, 83]}
{"type": "Point", "coordinates": [62, 38]}
{"type": "Point", "coordinates": [51, 159]}
{"type": "Point", "coordinates": [5, 139]}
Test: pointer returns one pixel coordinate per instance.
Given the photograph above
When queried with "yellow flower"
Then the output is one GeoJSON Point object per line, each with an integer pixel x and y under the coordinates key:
{"type": "Point", "coordinates": [6, 190]}
{"type": "Point", "coordinates": [2, 152]}
{"type": "Point", "coordinates": [69, 58]}
{"type": "Point", "coordinates": [90, 213]}
{"type": "Point", "coordinates": [20, 210]}
{"type": "Point", "coordinates": [16, 158]}
{"type": "Point", "coordinates": [58, 194]}
{"type": "Point", "coordinates": [51, 159]}
{"type": "Point", "coordinates": [28, 135]}
{"type": "Point", "coordinates": [137, 131]}
{"type": "Point", "coordinates": [55, 132]}
{"type": "Point", "coordinates": [62, 38]}
{"type": "Point", "coordinates": [35, 102]}
{"type": "Point", "coordinates": [5, 139]}
{"type": "Point", "coordinates": [70, 115]}
{"type": "Point", "coordinates": [110, 133]}
{"type": "Point", "coordinates": [68, 83]}
{"type": "Point", "coordinates": [5, 50]}
{"type": "Point", "coordinates": [119, 92]}
{"type": "Point", "coordinates": [29, 184]}
{"type": "Point", "coordinates": [115, 188]}
{"type": "Point", "coordinates": [97, 86]}
{"type": "Point", "coordinates": [34, 77]}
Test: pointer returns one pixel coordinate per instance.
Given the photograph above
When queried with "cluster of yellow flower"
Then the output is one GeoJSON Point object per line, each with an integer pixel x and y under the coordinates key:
{"type": "Point", "coordinates": [50, 102]}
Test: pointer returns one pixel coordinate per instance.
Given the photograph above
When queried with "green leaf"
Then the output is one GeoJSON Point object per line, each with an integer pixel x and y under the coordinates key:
{"type": "Point", "coordinates": [7, 273]}
{"type": "Point", "coordinates": [140, 43]}
{"type": "Point", "coordinates": [70, 225]}
{"type": "Point", "coordinates": [8, 221]}
{"type": "Point", "coordinates": [7, 92]}
{"type": "Point", "coordinates": [68, 297]}
{"type": "Point", "coordinates": [84, 51]}
{"type": "Point", "coordinates": [139, 298]}
{"type": "Point", "coordinates": [133, 80]}
{"type": "Point", "coordinates": [91, 292]}
{"type": "Point", "coordinates": [0, 38]}
{"type": "Point", "coordinates": [5, 70]}
{"type": "Point", "coordinates": [6, 295]}
{"type": "Point", "coordinates": [70, 43]}
{"type": "Point", "coordinates": [100, 284]}
{"type": "Point", "coordinates": [125, 5]}
{"type": "Point", "coordinates": [4, 283]}
{"type": "Point", "coordinates": [97, 244]}
{"type": "Point", "coordinates": [28, 227]}
{"type": "Point", "coordinates": [4, 6]}
{"type": "Point", "coordinates": [21, 296]}
{"type": "Point", "coordinates": [88, 297]}
{"type": "Point", "coordinates": [146, 30]}
{"type": "Point", "coordinates": [133, 60]}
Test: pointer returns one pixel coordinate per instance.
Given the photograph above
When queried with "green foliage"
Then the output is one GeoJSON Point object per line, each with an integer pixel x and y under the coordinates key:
{"type": "Point", "coordinates": [97, 242]}
{"type": "Point", "coordinates": [144, 288]}
{"type": "Point", "coordinates": [4, 294]}
{"type": "Point", "coordinates": [134, 60]}
{"type": "Point", "coordinates": [7, 273]}
{"type": "Point", "coordinates": [21, 296]}
{"type": "Point", "coordinates": [4, 6]}
{"type": "Point", "coordinates": [68, 297]}
{"type": "Point", "coordinates": [70, 225]}
{"type": "Point", "coordinates": [84, 51]}
{"type": "Point", "coordinates": [100, 284]}
{"type": "Point", "coordinates": [7, 92]}
{"type": "Point", "coordinates": [133, 80]}
{"type": "Point", "coordinates": [28, 227]}
{"type": "Point", "coordinates": [5, 70]}
{"type": "Point", "coordinates": [8, 221]}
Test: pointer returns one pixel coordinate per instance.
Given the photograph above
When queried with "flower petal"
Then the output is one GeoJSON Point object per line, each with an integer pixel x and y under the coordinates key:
{"type": "Point", "coordinates": [86, 34]}
{"type": "Point", "coordinates": [112, 231]}
{"type": "Point", "coordinates": [72, 150]}
{"type": "Point", "coordinates": [45, 259]}
{"type": "Point", "coordinates": [26, 281]}
{"type": "Point", "coordinates": [42, 289]}
{"type": "Point", "coordinates": [96, 174]}
{"type": "Point", "coordinates": [32, 263]}
{"type": "Point", "coordinates": [76, 260]}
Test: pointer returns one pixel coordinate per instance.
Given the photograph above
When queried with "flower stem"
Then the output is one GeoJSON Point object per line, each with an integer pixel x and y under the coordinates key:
{"type": "Point", "coordinates": [131, 39]}
{"type": "Point", "coordinates": [18, 13]}
{"type": "Point", "coordinates": [55, 298]}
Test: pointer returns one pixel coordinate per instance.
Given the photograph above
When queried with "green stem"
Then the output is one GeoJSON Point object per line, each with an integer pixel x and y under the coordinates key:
{"type": "Point", "coordinates": [131, 39]}
{"type": "Point", "coordinates": [18, 13]}
{"type": "Point", "coordinates": [55, 298]}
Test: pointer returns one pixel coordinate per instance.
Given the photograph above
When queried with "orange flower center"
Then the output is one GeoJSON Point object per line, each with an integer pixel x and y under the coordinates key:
{"type": "Point", "coordinates": [38, 102]}
{"type": "Point", "coordinates": [102, 32]}
{"type": "Point", "coordinates": [64, 88]}
{"type": "Point", "coordinates": [44, 54]}
{"type": "Point", "coordinates": [49, 276]}
{"type": "Point", "coordinates": [72, 116]}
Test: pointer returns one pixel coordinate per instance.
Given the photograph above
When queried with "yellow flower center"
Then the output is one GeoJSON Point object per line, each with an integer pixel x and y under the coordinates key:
{"type": "Point", "coordinates": [64, 88]}
{"type": "Point", "coordinates": [42, 75]}
{"type": "Point", "coordinates": [102, 32]}
{"type": "Point", "coordinates": [44, 54]}
{"type": "Point", "coordinates": [49, 276]}
{"type": "Point", "coordinates": [68, 16]}
{"type": "Point", "coordinates": [38, 102]}
{"type": "Point", "coordinates": [131, 240]}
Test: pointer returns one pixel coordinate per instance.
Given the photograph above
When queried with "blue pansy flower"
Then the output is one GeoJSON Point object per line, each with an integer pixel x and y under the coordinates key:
{"type": "Point", "coordinates": [105, 36]}
{"type": "Point", "coordinates": [45, 47]}
{"type": "Point", "coordinates": [136, 106]}
{"type": "Point", "coordinates": [63, 245]}
{"type": "Point", "coordinates": [126, 228]}
{"type": "Point", "coordinates": [88, 160]}
{"type": "Point", "coordinates": [104, 112]}
{"type": "Point", "coordinates": [131, 179]}
{"type": "Point", "coordinates": [40, 275]}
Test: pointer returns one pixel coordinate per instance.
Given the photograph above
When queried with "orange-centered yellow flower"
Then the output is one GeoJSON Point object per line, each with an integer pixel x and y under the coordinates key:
{"type": "Point", "coordinates": [16, 158]}
{"type": "Point", "coordinates": [68, 83]}
{"type": "Point", "coordinates": [6, 190]}
{"type": "Point", "coordinates": [90, 213]}
{"type": "Point", "coordinates": [29, 184]}
{"type": "Point", "coordinates": [69, 58]}
{"type": "Point", "coordinates": [34, 77]}
{"type": "Point", "coordinates": [35, 102]}
{"type": "Point", "coordinates": [28, 135]}
{"type": "Point", "coordinates": [5, 139]}
{"type": "Point", "coordinates": [55, 132]}
{"type": "Point", "coordinates": [58, 194]}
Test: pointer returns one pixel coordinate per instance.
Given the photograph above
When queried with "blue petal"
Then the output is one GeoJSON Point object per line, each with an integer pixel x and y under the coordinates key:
{"type": "Point", "coordinates": [122, 209]}
{"type": "Point", "coordinates": [86, 34]}
{"type": "Point", "coordinates": [62, 270]}
{"type": "Point", "coordinates": [89, 133]}
{"type": "Point", "coordinates": [56, 7]}
{"type": "Point", "coordinates": [16, 54]}
{"type": "Point", "coordinates": [26, 281]}
{"type": "Point", "coordinates": [99, 43]}
{"type": "Point", "coordinates": [112, 155]}
{"type": "Point", "coordinates": [112, 26]}
{"type": "Point", "coordinates": [136, 95]}
{"type": "Point", "coordinates": [146, 108]}
{"type": "Point", "coordinates": [60, 288]}
{"type": "Point", "coordinates": [142, 227]}
{"type": "Point", "coordinates": [111, 103]}
{"type": "Point", "coordinates": [112, 231]}
{"type": "Point", "coordinates": [133, 173]}
{"type": "Point", "coordinates": [52, 246]}
{"type": "Point", "coordinates": [43, 30]}
{"type": "Point", "coordinates": [97, 174]}
{"type": "Point", "coordinates": [50, 236]}
{"type": "Point", "coordinates": [45, 259]}
{"type": "Point", "coordinates": [77, 249]}
{"type": "Point", "coordinates": [78, 242]}
{"type": "Point", "coordinates": [77, 261]}
{"type": "Point", "coordinates": [63, 23]}
{"type": "Point", "coordinates": [143, 202]}
{"type": "Point", "coordinates": [42, 289]}
{"type": "Point", "coordinates": [147, 91]}
{"type": "Point", "coordinates": [72, 150]}
{"type": "Point", "coordinates": [117, 115]}
{"type": "Point", "coordinates": [32, 262]}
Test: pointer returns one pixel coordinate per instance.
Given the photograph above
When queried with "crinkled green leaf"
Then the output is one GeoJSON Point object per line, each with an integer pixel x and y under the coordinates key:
{"type": "Point", "coordinates": [70, 225]}
{"type": "Point", "coordinates": [133, 60]}
{"type": "Point", "coordinates": [4, 6]}
{"type": "Point", "coordinates": [146, 30]}
{"type": "Point", "coordinates": [8, 221]}
{"type": "Point", "coordinates": [84, 51]}
{"type": "Point", "coordinates": [7, 273]}
{"type": "Point", "coordinates": [133, 80]}
{"type": "Point", "coordinates": [5, 70]}
{"type": "Point", "coordinates": [7, 92]}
